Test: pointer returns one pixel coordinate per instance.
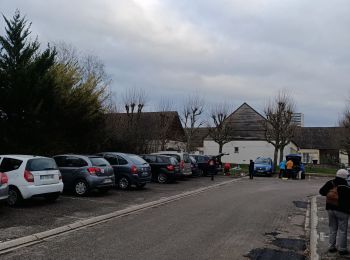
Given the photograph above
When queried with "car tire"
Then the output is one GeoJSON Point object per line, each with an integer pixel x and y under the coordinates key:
{"type": "Point", "coordinates": [81, 188]}
{"type": "Point", "coordinates": [124, 183]}
{"type": "Point", "coordinates": [162, 178]}
{"type": "Point", "coordinates": [140, 185]}
{"type": "Point", "coordinates": [52, 197]}
{"type": "Point", "coordinates": [14, 197]}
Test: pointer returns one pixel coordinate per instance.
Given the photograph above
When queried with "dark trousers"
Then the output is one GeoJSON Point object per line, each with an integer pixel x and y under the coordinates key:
{"type": "Point", "coordinates": [282, 173]}
{"type": "Point", "coordinates": [251, 174]}
{"type": "Point", "coordinates": [289, 174]}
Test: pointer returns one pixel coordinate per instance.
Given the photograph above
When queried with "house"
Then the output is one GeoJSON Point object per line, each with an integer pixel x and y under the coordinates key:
{"type": "Point", "coordinates": [248, 135]}
{"type": "Point", "coordinates": [145, 132]}
{"type": "Point", "coordinates": [321, 145]}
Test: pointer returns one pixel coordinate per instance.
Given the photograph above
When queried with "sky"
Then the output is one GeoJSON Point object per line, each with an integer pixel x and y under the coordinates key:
{"type": "Point", "coordinates": [231, 51]}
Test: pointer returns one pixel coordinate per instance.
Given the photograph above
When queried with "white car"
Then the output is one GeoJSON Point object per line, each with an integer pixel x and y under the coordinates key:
{"type": "Point", "coordinates": [31, 176]}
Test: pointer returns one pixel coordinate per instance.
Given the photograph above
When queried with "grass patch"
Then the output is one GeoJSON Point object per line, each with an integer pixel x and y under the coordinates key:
{"type": "Point", "coordinates": [321, 170]}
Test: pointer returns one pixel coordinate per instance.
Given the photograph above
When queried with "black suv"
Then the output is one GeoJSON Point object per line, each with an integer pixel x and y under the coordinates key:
{"type": "Point", "coordinates": [164, 168]}
{"type": "Point", "coordinates": [129, 169]}
{"type": "Point", "coordinates": [203, 163]}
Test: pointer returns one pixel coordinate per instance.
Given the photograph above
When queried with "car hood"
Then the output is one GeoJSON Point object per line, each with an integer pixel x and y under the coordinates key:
{"type": "Point", "coordinates": [261, 165]}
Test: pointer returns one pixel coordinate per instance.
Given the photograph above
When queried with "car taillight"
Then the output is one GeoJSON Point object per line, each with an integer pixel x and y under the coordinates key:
{"type": "Point", "coordinates": [3, 178]}
{"type": "Point", "coordinates": [59, 176]}
{"type": "Point", "coordinates": [170, 167]}
{"type": "Point", "coordinates": [28, 176]}
{"type": "Point", "coordinates": [93, 170]}
{"type": "Point", "coordinates": [133, 169]}
{"type": "Point", "coordinates": [182, 164]}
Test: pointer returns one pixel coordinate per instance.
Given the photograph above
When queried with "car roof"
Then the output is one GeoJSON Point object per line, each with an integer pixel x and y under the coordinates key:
{"type": "Point", "coordinates": [21, 156]}
{"type": "Point", "coordinates": [76, 155]}
{"type": "Point", "coordinates": [169, 152]}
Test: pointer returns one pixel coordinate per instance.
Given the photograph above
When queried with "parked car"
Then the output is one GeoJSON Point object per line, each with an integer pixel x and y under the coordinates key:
{"type": "Point", "coordinates": [164, 168]}
{"type": "Point", "coordinates": [31, 176]}
{"type": "Point", "coordinates": [263, 166]}
{"type": "Point", "coordinates": [298, 166]}
{"type": "Point", "coordinates": [194, 167]}
{"type": "Point", "coordinates": [82, 174]}
{"type": "Point", "coordinates": [129, 169]}
{"type": "Point", "coordinates": [203, 163]}
{"type": "Point", "coordinates": [4, 187]}
{"type": "Point", "coordinates": [183, 158]}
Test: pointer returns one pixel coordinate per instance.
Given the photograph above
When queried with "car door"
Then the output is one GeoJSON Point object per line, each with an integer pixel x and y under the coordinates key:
{"type": "Point", "coordinates": [70, 167]}
{"type": "Point", "coordinates": [11, 166]}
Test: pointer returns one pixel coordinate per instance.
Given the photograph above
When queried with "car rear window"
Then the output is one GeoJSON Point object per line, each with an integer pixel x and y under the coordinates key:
{"type": "Point", "coordinates": [174, 161]}
{"type": "Point", "coordinates": [137, 159]}
{"type": "Point", "coordinates": [177, 157]}
{"type": "Point", "coordinates": [164, 159]}
{"type": "Point", "coordinates": [41, 164]}
{"type": "Point", "coordinates": [98, 161]}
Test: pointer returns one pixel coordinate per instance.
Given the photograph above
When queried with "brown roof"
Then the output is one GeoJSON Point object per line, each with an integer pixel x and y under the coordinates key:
{"type": "Point", "coordinates": [198, 136]}
{"type": "Point", "coordinates": [246, 124]}
{"type": "Point", "coordinates": [152, 122]}
{"type": "Point", "coordinates": [319, 137]}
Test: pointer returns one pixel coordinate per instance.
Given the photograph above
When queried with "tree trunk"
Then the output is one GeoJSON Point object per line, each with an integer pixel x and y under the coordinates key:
{"type": "Point", "coordinates": [281, 154]}
{"type": "Point", "coordinates": [221, 145]}
{"type": "Point", "coordinates": [275, 154]}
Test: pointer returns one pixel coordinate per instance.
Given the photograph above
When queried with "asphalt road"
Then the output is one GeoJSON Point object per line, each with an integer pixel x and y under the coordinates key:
{"type": "Point", "coordinates": [258, 219]}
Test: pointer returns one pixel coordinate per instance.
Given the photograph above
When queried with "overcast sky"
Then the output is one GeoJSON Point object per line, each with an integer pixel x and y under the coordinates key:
{"type": "Point", "coordinates": [228, 50]}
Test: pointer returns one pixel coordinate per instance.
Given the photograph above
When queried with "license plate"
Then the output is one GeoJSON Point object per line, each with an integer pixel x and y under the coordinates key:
{"type": "Point", "coordinates": [145, 174]}
{"type": "Point", "coordinates": [46, 177]}
{"type": "Point", "coordinates": [102, 170]}
{"type": "Point", "coordinates": [107, 181]}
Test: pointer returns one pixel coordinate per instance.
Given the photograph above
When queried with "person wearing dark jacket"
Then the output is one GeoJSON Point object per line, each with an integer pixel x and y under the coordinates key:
{"type": "Point", "coordinates": [251, 169]}
{"type": "Point", "coordinates": [338, 212]}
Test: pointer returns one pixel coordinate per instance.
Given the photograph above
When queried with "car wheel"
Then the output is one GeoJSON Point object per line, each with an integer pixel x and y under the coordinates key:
{"type": "Point", "coordinates": [81, 188]}
{"type": "Point", "coordinates": [14, 197]}
{"type": "Point", "coordinates": [52, 197]}
{"type": "Point", "coordinates": [162, 178]}
{"type": "Point", "coordinates": [123, 183]}
{"type": "Point", "coordinates": [140, 185]}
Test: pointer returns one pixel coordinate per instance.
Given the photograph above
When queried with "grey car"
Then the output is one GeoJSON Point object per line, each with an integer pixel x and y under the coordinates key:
{"type": "Point", "coordinates": [4, 188]}
{"type": "Point", "coordinates": [129, 169]}
{"type": "Point", "coordinates": [82, 174]}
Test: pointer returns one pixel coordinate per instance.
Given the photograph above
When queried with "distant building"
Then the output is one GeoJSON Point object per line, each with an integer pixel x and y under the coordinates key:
{"type": "Point", "coordinates": [298, 119]}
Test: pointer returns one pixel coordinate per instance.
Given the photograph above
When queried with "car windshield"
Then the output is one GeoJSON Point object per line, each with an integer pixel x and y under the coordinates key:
{"type": "Point", "coordinates": [41, 164]}
{"type": "Point", "coordinates": [137, 159]}
{"type": "Point", "coordinates": [262, 161]}
{"type": "Point", "coordinates": [98, 161]}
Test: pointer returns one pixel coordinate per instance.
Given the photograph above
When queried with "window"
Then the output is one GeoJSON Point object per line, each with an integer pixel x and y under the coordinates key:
{"type": "Point", "coordinates": [187, 158]}
{"type": "Point", "coordinates": [137, 159]}
{"type": "Point", "coordinates": [75, 162]}
{"type": "Point", "coordinates": [122, 161]}
{"type": "Point", "coordinates": [98, 161]}
{"type": "Point", "coordinates": [60, 160]}
{"type": "Point", "coordinates": [306, 157]}
{"type": "Point", "coordinates": [41, 164]}
{"type": "Point", "coordinates": [111, 159]}
{"type": "Point", "coordinates": [9, 164]}
{"type": "Point", "coordinates": [236, 149]}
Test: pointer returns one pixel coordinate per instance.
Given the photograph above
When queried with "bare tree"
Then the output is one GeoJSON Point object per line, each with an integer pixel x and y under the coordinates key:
{"type": "Point", "coordinates": [221, 132]}
{"type": "Point", "coordinates": [191, 117]}
{"type": "Point", "coordinates": [345, 123]}
{"type": "Point", "coordinates": [279, 128]}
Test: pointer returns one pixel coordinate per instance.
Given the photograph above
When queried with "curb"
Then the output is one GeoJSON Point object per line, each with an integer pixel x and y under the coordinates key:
{"type": "Point", "coordinates": [11, 245]}
{"type": "Point", "coordinates": [313, 229]}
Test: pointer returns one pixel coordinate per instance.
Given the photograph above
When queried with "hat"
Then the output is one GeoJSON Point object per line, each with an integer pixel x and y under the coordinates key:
{"type": "Point", "coordinates": [342, 173]}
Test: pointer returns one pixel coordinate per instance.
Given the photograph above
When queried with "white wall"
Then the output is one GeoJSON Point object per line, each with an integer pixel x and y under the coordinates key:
{"type": "Point", "coordinates": [343, 157]}
{"type": "Point", "coordinates": [246, 150]}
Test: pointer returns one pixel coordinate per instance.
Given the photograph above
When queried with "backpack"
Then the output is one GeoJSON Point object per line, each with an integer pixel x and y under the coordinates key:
{"type": "Point", "coordinates": [332, 196]}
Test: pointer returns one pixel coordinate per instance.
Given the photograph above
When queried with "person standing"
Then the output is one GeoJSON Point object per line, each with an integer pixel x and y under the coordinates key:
{"type": "Point", "coordinates": [338, 208]}
{"type": "Point", "coordinates": [251, 169]}
{"type": "Point", "coordinates": [282, 167]}
{"type": "Point", "coordinates": [289, 167]}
